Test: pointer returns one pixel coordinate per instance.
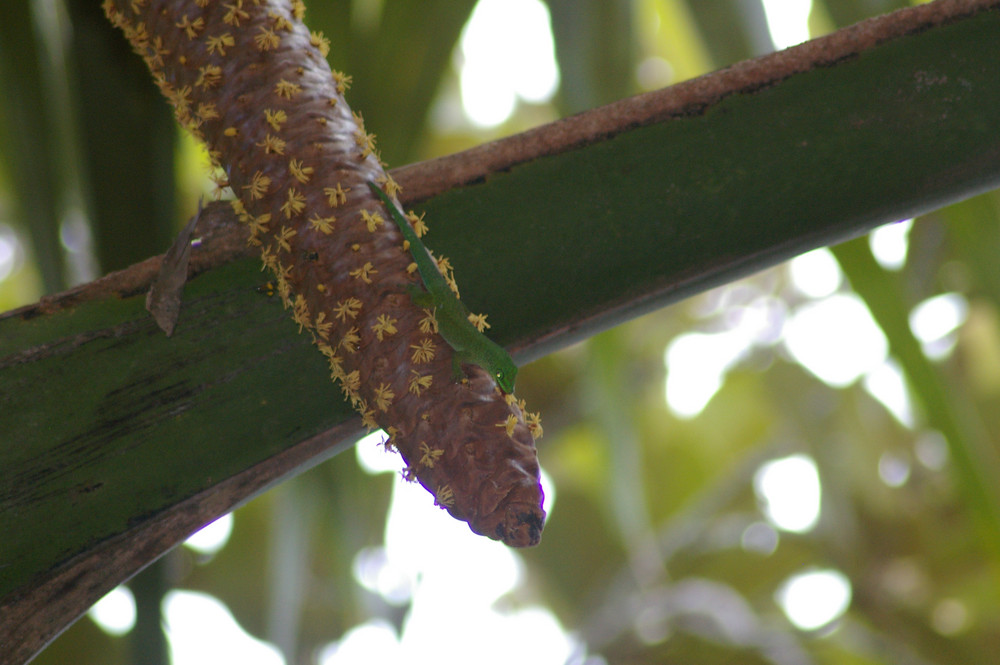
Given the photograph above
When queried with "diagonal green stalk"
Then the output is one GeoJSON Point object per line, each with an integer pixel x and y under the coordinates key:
{"type": "Point", "coordinates": [975, 460]}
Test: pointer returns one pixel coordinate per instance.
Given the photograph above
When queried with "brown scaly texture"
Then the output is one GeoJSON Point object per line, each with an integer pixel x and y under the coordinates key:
{"type": "Point", "coordinates": [249, 79]}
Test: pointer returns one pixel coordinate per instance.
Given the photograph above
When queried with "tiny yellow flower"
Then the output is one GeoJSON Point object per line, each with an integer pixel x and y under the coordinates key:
{"type": "Point", "coordinates": [235, 14]}
{"type": "Point", "coordinates": [287, 89]}
{"type": "Point", "coordinates": [209, 76]}
{"type": "Point", "coordinates": [368, 418]}
{"type": "Point", "coordinates": [266, 40]}
{"type": "Point", "coordinates": [284, 236]}
{"type": "Point", "coordinates": [444, 265]}
{"type": "Point", "coordinates": [220, 43]}
{"type": "Point", "coordinates": [336, 366]}
{"type": "Point", "coordinates": [418, 224]}
{"type": "Point", "coordinates": [322, 224]}
{"type": "Point", "coordinates": [419, 383]}
{"type": "Point", "coordinates": [428, 324]}
{"type": "Point", "coordinates": [352, 381]}
{"type": "Point", "coordinates": [155, 53]}
{"type": "Point", "coordinates": [259, 224]}
{"type": "Point", "coordinates": [192, 28]}
{"type": "Point", "coordinates": [280, 22]}
{"type": "Point", "coordinates": [283, 272]}
{"type": "Point", "coordinates": [295, 204]}
{"type": "Point", "coordinates": [429, 456]}
{"type": "Point", "coordinates": [347, 308]}
{"type": "Point", "coordinates": [275, 118]}
{"type": "Point", "coordinates": [351, 340]}
{"type": "Point", "coordinates": [300, 172]}
{"type": "Point", "coordinates": [320, 42]}
{"type": "Point", "coordinates": [372, 220]}
{"type": "Point", "coordinates": [452, 284]}
{"type": "Point", "coordinates": [137, 35]}
{"type": "Point", "coordinates": [384, 326]}
{"type": "Point", "coordinates": [300, 312]}
{"type": "Point", "coordinates": [240, 211]}
{"type": "Point", "coordinates": [479, 320]}
{"type": "Point", "coordinates": [343, 81]}
{"type": "Point", "coordinates": [350, 394]}
{"type": "Point", "coordinates": [444, 496]}
{"type": "Point", "coordinates": [336, 196]}
{"type": "Point", "coordinates": [384, 396]}
{"type": "Point", "coordinates": [284, 289]}
{"type": "Point", "coordinates": [365, 141]}
{"type": "Point", "coordinates": [509, 424]}
{"type": "Point", "coordinates": [206, 111]}
{"type": "Point", "coordinates": [111, 12]}
{"type": "Point", "coordinates": [390, 185]}
{"type": "Point", "coordinates": [323, 326]}
{"type": "Point", "coordinates": [258, 185]}
{"type": "Point", "coordinates": [221, 183]}
{"type": "Point", "coordinates": [364, 272]}
{"type": "Point", "coordinates": [423, 352]}
{"type": "Point", "coordinates": [181, 98]}
{"type": "Point", "coordinates": [272, 145]}
{"type": "Point", "coordinates": [269, 258]}
{"type": "Point", "coordinates": [534, 421]}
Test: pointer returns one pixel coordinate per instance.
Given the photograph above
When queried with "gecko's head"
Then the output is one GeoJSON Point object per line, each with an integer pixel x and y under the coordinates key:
{"type": "Point", "coordinates": [505, 374]}
{"type": "Point", "coordinates": [494, 359]}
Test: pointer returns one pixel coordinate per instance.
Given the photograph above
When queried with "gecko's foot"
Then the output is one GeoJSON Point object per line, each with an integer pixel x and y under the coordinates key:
{"type": "Point", "coordinates": [420, 297]}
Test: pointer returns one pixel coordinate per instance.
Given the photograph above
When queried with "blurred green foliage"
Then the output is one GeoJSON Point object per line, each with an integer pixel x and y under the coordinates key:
{"type": "Point", "coordinates": [649, 504]}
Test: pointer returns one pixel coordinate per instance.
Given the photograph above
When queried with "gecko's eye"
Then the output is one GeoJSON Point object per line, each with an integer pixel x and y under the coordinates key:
{"type": "Point", "coordinates": [503, 381]}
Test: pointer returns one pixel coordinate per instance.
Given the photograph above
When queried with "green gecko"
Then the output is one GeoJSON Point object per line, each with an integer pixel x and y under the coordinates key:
{"type": "Point", "coordinates": [470, 345]}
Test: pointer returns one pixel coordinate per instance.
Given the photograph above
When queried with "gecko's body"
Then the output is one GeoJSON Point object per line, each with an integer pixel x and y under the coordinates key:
{"type": "Point", "coordinates": [470, 345]}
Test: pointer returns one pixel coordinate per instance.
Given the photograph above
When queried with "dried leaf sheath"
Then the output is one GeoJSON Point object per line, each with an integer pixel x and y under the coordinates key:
{"type": "Point", "coordinates": [249, 79]}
